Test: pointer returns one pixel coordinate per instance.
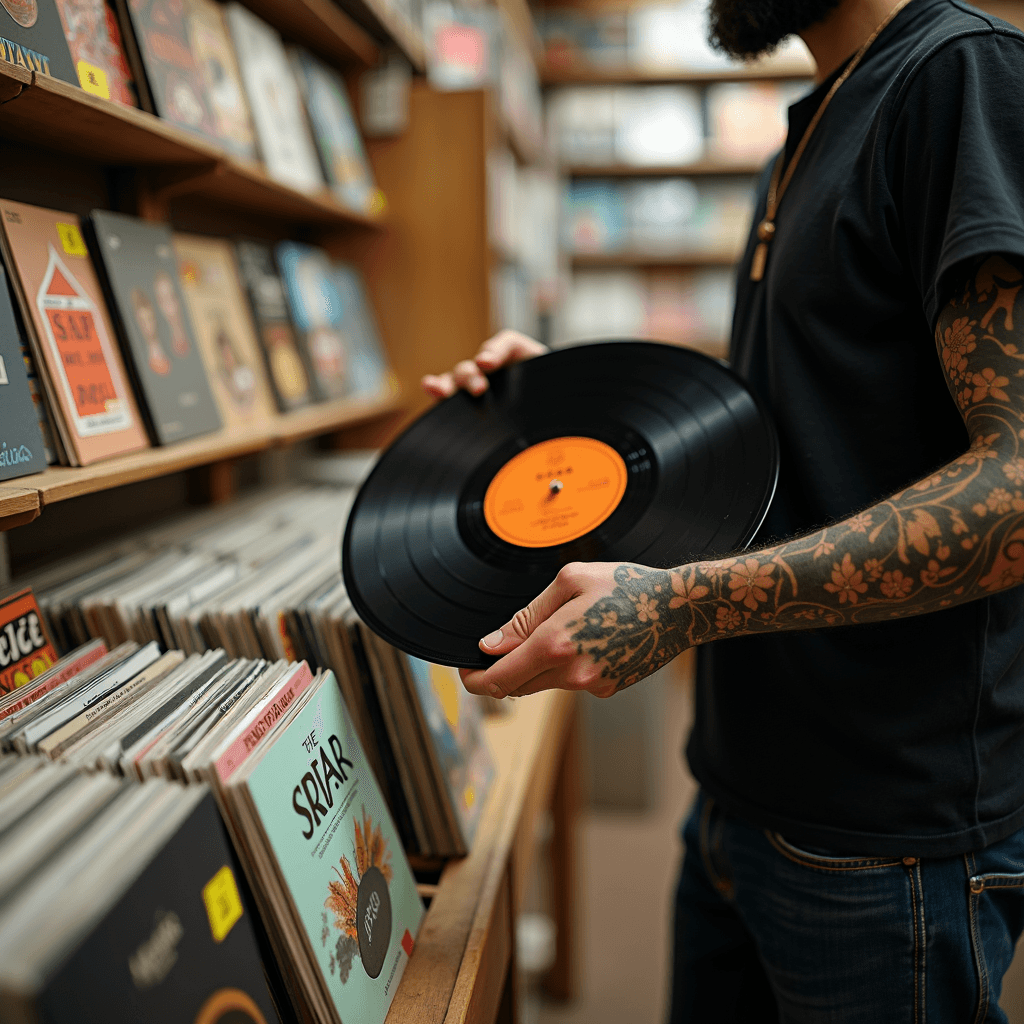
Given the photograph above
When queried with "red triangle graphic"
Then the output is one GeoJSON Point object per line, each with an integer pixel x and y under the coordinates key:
{"type": "Point", "coordinates": [59, 284]}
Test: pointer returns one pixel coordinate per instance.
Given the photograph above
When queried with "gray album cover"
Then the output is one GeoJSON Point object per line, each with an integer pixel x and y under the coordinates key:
{"type": "Point", "coordinates": [142, 274]}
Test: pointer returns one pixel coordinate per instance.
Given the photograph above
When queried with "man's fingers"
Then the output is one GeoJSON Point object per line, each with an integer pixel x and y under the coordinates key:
{"type": "Point", "coordinates": [565, 586]}
{"type": "Point", "coordinates": [519, 666]}
{"type": "Point", "coordinates": [438, 385]}
{"type": "Point", "coordinates": [467, 375]}
{"type": "Point", "coordinates": [507, 347]}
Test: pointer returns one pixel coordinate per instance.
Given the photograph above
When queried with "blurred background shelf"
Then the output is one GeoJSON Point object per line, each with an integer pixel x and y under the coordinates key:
{"type": "Point", "coordinates": [698, 168]}
{"type": "Point", "coordinates": [648, 259]}
{"type": "Point", "coordinates": [583, 73]}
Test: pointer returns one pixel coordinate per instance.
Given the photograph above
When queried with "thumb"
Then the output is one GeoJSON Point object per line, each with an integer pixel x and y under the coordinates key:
{"type": "Point", "coordinates": [524, 623]}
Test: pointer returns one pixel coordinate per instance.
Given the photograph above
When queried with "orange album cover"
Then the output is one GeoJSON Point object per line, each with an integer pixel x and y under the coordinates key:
{"type": "Point", "coordinates": [25, 649]}
{"type": "Point", "coordinates": [71, 333]}
{"type": "Point", "coordinates": [223, 325]}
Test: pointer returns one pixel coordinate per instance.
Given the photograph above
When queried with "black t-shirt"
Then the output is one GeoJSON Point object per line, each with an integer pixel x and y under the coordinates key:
{"type": "Point", "coordinates": [904, 737]}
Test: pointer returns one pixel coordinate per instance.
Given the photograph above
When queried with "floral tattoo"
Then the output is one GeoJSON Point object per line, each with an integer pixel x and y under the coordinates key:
{"type": "Point", "coordinates": [955, 536]}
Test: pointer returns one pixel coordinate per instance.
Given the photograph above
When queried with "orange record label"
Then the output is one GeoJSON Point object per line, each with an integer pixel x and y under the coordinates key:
{"type": "Point", "coordinates": [555, 491]}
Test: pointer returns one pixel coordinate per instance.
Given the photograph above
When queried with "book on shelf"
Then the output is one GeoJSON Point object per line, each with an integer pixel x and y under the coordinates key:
{"type": "Point", "coordinates": [369, 373]}
{"type": "Point", "coordinates": [223, 326]}
{"type": "Point", "coordinates": [31, 36]}
{"type": "Point", "coordinates": [308, 275]}
{"type": "Point", "coordinates": [749, 120]}
{"type": "Point", "coordinates": [275, 104]}
{"type": "Point", "coordinates": [342, 156]}
{"type": "Point", "coordinates": [97, 50]}
{"type": "Point", "coordinates": [141, 273]}
{"type": "Point", "coordinates": [184, 62]}
{"type": "Point", "coordinates": [286, 367]}
{"type": "Point", "coordinates": [73, 344]}
{"type": "Point", "coordinates": [22, 449]}
{"type": "Point", "coordinates": [168, 936]}
{"type": "Point", "coordinates": [659, 124]}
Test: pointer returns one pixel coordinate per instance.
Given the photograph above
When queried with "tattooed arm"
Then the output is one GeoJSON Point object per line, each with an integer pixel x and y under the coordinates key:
{"type": "Point", "coordinates": [953, 537]}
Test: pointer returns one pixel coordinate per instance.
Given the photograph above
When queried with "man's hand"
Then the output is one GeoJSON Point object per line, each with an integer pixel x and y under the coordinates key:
{"type": "Point", "coordinates": [503, 349]}
{"type": "Point", "coordinates": [599, 627]}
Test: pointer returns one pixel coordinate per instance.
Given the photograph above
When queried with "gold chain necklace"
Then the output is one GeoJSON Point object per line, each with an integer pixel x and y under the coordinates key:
{"type": "Point", "coordinates": [766, 229]}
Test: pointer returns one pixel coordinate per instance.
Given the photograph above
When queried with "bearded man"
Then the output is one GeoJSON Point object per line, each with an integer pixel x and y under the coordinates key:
{"type": "Point", "coordinates": [856, 853]}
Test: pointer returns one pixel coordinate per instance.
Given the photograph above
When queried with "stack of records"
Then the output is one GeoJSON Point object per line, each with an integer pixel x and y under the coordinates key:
{"type": "Point", "coordinates": [119, 895]}
{"type": "Point", "coordinates": [261, 581]}
{"type": "Point", "coordinates": [281, 753]}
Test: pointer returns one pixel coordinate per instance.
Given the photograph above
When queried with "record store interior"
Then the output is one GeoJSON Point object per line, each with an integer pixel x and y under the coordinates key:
{"type": "Point", "coordinates": [258, 502]}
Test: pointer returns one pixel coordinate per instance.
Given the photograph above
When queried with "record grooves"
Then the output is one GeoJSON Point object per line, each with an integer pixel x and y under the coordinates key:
{"type": "Point", "coordinates": [619, 451]}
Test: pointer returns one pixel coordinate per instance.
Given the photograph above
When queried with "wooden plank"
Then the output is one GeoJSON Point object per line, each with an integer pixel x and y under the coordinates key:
{"type": "Point", "coordinates": [19, 504]}
{"type": "Point", "coordinates": [320, 25]}
{"type": "Point", "coordinates": [490, 945]}
{"type": "Point", "coordinates": [582, 73]}
{"type": "Point", "coordinates": [59, 483]}
{"type": "Point", "coordinates": [331, 416]}
{"type": "Point", "coordinates": [698, 168]}
{"type": "Point", "coordinates": [13, 78]}
{"type": "Point", "coordinates": [100, 130]}
{"type": "Point", "coordinates": [695, 258]}
{"type": "Point", "coordinates": [455, 952]}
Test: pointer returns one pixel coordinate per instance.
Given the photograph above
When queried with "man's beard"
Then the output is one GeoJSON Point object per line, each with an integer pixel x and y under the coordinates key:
{"type": "Point", "coordinates": [750, 28]}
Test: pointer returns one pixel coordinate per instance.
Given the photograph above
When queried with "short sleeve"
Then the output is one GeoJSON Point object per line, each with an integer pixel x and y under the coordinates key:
{"type": "Point", "coordinates": [956, 156]}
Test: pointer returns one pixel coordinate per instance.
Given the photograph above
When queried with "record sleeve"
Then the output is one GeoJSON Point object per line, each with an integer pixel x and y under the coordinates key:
{"type": "Point", "coordinates": [142, 274]}
{"type": "Point", "coordinates": [619, 452]}
{"type": "Point", "coordinates": [31, 35]}
{"type": "Point", "coordinates": [94, 39]}
{"type": "Point", "coordinates": [285, 365]}
{"type": "Point", "coordinates": [223, 325]}
{"type": "Point", "coordinates": [70, 334]}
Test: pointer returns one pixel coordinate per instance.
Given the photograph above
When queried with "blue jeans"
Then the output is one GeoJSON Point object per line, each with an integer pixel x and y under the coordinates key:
{"type": "Point", "coordinates": [766, 931]}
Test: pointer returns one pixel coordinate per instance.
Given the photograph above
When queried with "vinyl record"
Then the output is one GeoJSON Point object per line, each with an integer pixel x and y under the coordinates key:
{"type": "Point", "coordinates": [613, 452]}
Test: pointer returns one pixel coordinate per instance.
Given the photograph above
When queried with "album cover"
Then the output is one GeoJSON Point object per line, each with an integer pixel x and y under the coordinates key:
{"type": "Point", "coordinates": [338, 852]}
{"type": "Point", "coordinates": [190, 69]}
{"type": "Point", "coordinates": [223, 325]}
{"type": "Point", "coordinates": [26, 650]}
{"type": "Point", "coordinates": [31, 36]}
{"type": "Point", "coordinates": [316, 308]}
{"type": "Point", "coordinates": [178, 945]}
{"type": "Point", "coordinates": [277, 114]}
{"type": "Point", "coordinates": [285, 365]}
{"type": "Point", "coordinates": [59, 673]}
{"type": "Point", "coordinates": [22, 450]}
{"type": "Point", "coordinates": [455, 732]}
{"type": "Point", "coordinates": [97, 50]}
{"type": "Point", "coordinates": [142, 273]}
{"type": "Point", "coordinates": [369, 373]}
{"type": "Point", "coordinates": [71, 334]}
{"type": "Point", "coordinates": [341, 149]}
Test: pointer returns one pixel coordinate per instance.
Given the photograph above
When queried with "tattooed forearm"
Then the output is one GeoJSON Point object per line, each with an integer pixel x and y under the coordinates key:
{"type": "Point", "coordinates": [952, 537]}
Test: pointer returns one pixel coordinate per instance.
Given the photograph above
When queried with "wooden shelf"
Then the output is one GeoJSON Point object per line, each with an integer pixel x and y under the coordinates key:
{"type": "Point", "coordinates": [583, 73]}
{"type": "Point", "coordinates": [698, 168]}
{"type": "Point", "coordinates": [320, 25]}
{"type": "Point", "coordinates": [702, 258]}
{"type": "Point", "coordinates": [459, 970]}
{"type": "Point", "coordinates": [59, 483]}
{"type": "Point", "coordinates": [378, 17]}
{"type": "Point", "coordinates": [176, 161]}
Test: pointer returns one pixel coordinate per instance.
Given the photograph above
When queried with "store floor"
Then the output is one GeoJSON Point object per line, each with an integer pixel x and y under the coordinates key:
{"type": "Point", "coordinates": [628, 865]}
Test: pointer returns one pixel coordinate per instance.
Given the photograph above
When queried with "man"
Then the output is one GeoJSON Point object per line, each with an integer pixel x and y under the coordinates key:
{"type": "Point", "coordinates": [856, 853]}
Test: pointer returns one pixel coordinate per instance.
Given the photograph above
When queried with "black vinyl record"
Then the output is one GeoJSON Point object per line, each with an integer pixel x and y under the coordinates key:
{"type": "Point", "coordinates": [614, 452]}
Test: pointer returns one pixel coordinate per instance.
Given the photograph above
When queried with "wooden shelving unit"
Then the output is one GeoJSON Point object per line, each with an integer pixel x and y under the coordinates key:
{"type": "Point", "coordinates": [698, 168]}
{"type": "Point", "coordinates": [383, 23]}
{"type": "Point", "coordinates": [582, 73]}
{"type": "Point", "coordinates": [172, 161]}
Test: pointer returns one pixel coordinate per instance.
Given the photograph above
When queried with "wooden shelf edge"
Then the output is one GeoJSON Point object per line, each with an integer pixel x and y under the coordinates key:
{"type": "Point", "coordinates": [582, 73]}
{"type": "Point", "coordinates": [60, 483]}
{"type": "Point", "coordinates": [13, 79]}
{"type": "Point", "coordinates": [699, 168]}
{"type": "Point", "coordinates": [383, 22]}
{"type": "Point", "coordinates": [182, 163]}
{"type": "Point", "coordinates": [321, 25]}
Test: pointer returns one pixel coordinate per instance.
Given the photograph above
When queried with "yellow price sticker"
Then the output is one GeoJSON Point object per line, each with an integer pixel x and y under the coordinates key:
{"type": "Point", "coordinates": [93, 79]}
{"type": "Point", "coordinates": [72, 240]}
{"type": "Point", "coordinates": [223, 904]}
